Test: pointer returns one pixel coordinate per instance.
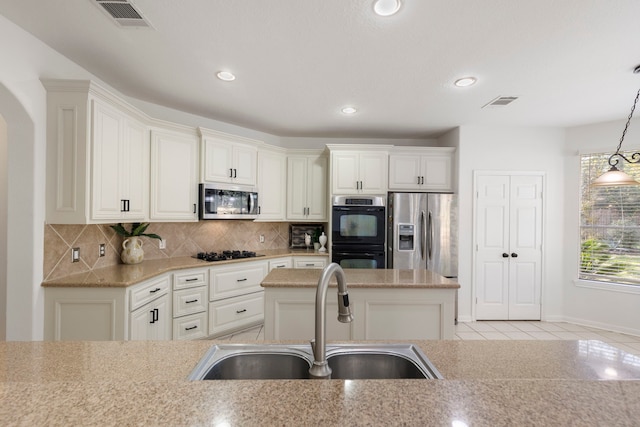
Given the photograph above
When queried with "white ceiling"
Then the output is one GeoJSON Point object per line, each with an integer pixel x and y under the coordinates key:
{"type": "Point", "coordinates": [298, 62]}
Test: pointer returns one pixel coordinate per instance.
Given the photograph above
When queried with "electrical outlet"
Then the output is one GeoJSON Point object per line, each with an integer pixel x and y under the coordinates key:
{"type": "Point", "coordinates": [75, 254]}
{"type": "Point", "coordinates": [101, 251]}
{"type": "Point", "coordinates": [162, 244]}
{"type": "Point", "coordinates": [261, 238]}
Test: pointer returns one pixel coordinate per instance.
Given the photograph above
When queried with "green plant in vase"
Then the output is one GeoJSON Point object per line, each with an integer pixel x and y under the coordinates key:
{"type": "Point", "coordinates": [132, 252]}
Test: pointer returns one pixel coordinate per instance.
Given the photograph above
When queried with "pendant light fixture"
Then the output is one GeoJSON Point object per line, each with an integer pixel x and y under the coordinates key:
{"type": "Point", "coordinates": [615, 176]}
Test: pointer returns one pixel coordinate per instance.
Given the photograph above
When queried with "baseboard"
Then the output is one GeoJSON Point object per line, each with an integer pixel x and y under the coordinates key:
{"type": "Point", "coordinates": [601, 325]}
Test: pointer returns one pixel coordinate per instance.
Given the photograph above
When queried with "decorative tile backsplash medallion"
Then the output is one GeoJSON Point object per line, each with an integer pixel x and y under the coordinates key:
{"type": "Point", "coordinates": [182, 239]}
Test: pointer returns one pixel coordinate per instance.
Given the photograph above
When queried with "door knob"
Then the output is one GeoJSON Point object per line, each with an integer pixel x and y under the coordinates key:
{"type": "Point", "coordinates": [514, 255]}
{"type": "Point", "coordinates": [505, 255]}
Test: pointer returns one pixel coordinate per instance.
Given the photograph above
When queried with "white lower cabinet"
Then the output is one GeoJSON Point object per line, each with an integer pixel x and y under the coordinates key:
{"type": "Point", "coordinates": [85, 314]}
{"type": "Point", "coordinates": [190, 299]}
{"type": "Point", "coordinates": [379, 314]}
{"type": "Point", "coordinates": [236, 297]}
{"type": "Point", "coordinates": [150, 316]}
{"type": "Point", "coordinates": [152, 321]}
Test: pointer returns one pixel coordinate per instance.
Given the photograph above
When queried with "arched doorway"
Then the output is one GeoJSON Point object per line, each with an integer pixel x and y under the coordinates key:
{"type": "Point", "coordinates": [3, 228]}
{"type": "Point", "coordinates": [22, 165]}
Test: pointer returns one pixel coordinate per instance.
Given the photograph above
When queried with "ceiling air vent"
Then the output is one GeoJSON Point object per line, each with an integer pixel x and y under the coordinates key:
{"type": "Point", "coordinates": [501, 101]}
{"type": "Point", "coordinates": [123, 13]}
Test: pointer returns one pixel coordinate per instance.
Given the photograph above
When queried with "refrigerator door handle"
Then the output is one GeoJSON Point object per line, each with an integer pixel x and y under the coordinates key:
{"type": "Point", "coordinates": [423, 236]}
{"type": "Point", "coordinates": [431, 236]}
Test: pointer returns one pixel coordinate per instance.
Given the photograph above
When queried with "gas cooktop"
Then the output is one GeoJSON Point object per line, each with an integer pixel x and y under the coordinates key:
{"type": "Point", "coordinates": [226, 255]}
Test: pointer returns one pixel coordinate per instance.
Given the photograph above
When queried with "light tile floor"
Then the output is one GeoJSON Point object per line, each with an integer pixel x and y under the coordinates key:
{"type": "Point", "coordinates": [506, 330]}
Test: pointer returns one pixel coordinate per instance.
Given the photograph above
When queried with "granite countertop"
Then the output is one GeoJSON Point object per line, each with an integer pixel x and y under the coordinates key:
{"type": "Point", "coordinates": [359, 278]}
{"type": "Point", "coordinates": [122, 275]}
{"type": "Point", "coordinates": [490, 383]}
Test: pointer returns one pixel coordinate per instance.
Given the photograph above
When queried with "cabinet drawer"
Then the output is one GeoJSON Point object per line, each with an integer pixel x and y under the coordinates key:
{"type": "Point", "coordinates": [189, 301]}
{"type": "Point", "coordinates": [142, 294]}
{"type": "Point", "coordinates": [234, 313]}
{"type": "Point", "coordinates": [280, 263]}
{"type": "Point", "coordinates": [190, 279]}
{"type": "Point", "coordinates": [190, 327]}
{"type": "Point", "coordinates": [234, 281]}
{"type": "Point", "coordinates": [302, 263]}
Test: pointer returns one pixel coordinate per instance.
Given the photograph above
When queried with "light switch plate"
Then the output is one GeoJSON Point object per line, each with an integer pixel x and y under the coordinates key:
{"type": "Point", "coordinates": [75, 254]}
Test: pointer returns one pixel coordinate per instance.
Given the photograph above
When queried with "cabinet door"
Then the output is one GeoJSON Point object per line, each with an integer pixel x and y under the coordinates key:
{"type": "Point", "coordinates": [437, 172]}
{"type": "Point", "coordinates": [345, 173]}
{"type": "Point", "coordinates": [152, 321]}
{"type": "Point", "coordinates": [297, 187]}
{"type": "Point", "coordinates": [404, 172]}
{"type": "Point", "coordinates": [174, 177]}
{"type": "Point", "coordinates": [106, 171]}
{"type": "Point", "coordinates": [244, 165]}
{"type": "Point", "coordinates": [374, 173]}
{"type": "Point", "coordinates": [217, 160]}
{"type": "Point", "coordinates": [272, 185]}
{"type": "Point", "coordinates": [135, 170]}
{"type": "Point", "coordinates": [317, 200]}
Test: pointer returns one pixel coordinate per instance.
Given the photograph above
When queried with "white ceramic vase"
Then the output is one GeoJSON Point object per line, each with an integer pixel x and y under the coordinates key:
{"type": "Point", "coordinates": [323, 241]}
{"type": "Point", "coordinates": [132, 252]}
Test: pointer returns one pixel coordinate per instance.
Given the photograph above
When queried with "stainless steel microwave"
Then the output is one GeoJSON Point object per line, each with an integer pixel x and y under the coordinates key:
{"type": "Point", "coordinates": [217, 202]}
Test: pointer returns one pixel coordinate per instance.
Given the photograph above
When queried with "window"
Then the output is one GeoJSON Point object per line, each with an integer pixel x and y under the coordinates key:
{"type": "Point", "coordinates": [609, 224]}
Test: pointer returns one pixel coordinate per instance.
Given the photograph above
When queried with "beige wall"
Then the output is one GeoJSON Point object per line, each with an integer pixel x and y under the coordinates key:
{"type": "Point", "coordinates": [182, 239]}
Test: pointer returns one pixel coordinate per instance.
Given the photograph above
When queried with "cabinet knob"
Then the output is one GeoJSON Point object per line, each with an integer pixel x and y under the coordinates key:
{"type": "Point", "coordinates": [514, 255]}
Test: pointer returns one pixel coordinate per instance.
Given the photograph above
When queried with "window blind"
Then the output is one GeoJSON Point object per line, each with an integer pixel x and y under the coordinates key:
{"type": "Point", "coordinates": [609, 224]}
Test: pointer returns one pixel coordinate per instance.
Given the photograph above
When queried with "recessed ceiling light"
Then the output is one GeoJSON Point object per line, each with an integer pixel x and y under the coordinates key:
{"type": "Point", "coordinates": [349, 110]}
{"type": "Point", "coordinates": [227, 76]}
{"type": "Point", "coordinates": [465, 81]}
{"type": "Point", "coordinates": [386, 7]}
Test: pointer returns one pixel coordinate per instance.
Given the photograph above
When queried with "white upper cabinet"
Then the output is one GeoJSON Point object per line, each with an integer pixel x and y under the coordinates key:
{"type": "Point", "coordinates": [97, 156]}
{"type": "Point", "coordinates": [422, 169]}
{"type": "Point", "coordinates": [174, 175]}
{"type": "Point", "coordinates": [307, 187]}
{"type": "Point", "coordinates": [359, 169]}
{"type": "Point", "coordinates": [272, 185]}
{"type": "Point", "coordinates": [228, 158]}
{"type": "Point", "coordinates": [120, 166]}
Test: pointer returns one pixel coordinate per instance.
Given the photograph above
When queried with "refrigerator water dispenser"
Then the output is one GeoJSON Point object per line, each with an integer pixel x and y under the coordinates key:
{"type": "Point", "coordinates": [405, 237]}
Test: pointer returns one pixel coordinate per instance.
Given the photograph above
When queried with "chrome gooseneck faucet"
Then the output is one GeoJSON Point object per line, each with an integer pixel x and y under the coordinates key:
{"type": "Point", "coordinates": [320, 368]}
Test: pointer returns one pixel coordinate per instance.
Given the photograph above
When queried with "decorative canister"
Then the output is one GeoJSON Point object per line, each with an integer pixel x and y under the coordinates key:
{"type": "Point", "coordinates": [132, 252]}
{"type": "Point", "coordinates": [323, 241]}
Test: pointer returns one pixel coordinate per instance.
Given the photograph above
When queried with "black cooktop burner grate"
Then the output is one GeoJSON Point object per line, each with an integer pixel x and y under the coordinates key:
{"type": "Point", "coordinates": [226, 255]}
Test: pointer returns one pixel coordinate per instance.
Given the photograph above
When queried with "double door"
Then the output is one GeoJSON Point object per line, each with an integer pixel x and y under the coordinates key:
{"type": "Point", "coordinates": [508, 249]}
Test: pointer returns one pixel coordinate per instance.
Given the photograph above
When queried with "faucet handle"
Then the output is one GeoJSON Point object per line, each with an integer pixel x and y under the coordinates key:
{"type": "Point", "coordinates": [313, 345]}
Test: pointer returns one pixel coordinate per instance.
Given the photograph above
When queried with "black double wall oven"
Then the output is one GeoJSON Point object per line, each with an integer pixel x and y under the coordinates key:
{"type": "Point", "coordinates": [358, 231]}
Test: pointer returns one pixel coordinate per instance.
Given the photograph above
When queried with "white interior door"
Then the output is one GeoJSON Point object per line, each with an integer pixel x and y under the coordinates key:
{"type": "Point", "coordinates": [508, 262]}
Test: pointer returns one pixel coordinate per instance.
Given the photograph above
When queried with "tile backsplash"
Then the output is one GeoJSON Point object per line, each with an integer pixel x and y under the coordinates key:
{"type": "Point", "coordinates": [182, 239]}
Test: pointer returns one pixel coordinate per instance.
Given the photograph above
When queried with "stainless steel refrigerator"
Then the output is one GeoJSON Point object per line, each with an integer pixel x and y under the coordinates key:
{"type": "Point", "coordinates": [422, 232]}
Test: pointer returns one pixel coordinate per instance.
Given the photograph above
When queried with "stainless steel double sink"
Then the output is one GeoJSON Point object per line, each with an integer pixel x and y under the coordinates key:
{"type": "Point", "coordinates": [281, 361]}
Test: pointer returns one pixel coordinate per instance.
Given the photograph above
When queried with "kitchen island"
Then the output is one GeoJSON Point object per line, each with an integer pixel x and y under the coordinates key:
{"type": "Point", "coordinates": [386, 304]}
{"type": "Point", "coordinates": [490, 383]}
